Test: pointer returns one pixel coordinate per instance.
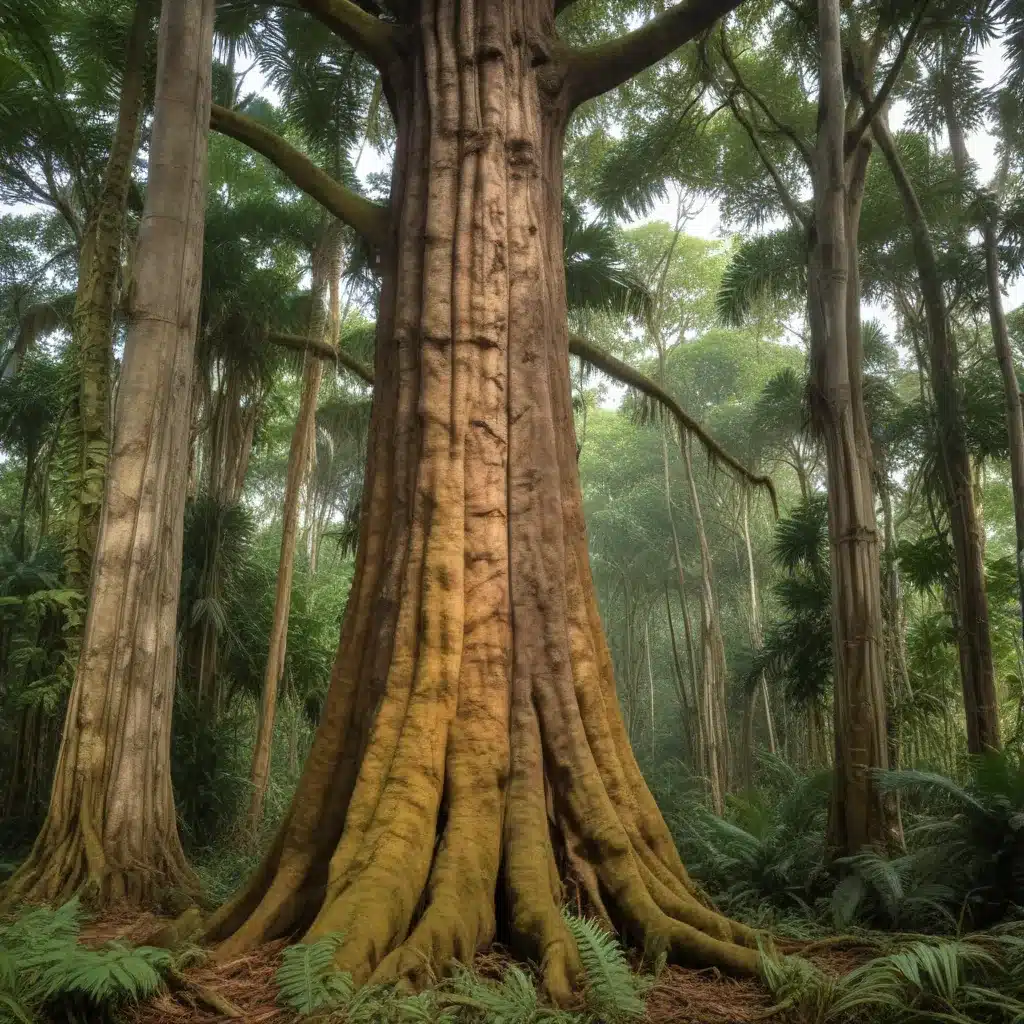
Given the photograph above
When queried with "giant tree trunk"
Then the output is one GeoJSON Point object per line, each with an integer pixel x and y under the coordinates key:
{"type": "Point", "coordinates": [111, 824]}
{"type": "Point", "coordinates": [303, 446]}
{"type": "Point", "coordinates": [471, 744]}
{"type": "Point", "coordinates": [977, 671]}
{"type": "Point", "coordinates": [1011, 386]}
{"type": "Point", "coordinates": [99, 265]}
{"type": "Point", "coordinates": [859, 815]}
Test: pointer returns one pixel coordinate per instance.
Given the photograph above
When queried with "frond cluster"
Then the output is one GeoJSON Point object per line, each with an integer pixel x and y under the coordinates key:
{"type": "Point", "coordinates": [44, 968]}
{"type": "Point", "coordinates": [308, 983]}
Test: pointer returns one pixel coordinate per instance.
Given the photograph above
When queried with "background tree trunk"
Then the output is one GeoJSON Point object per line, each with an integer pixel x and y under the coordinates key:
{"type": "Point", "coordinates": [99, 267]}
{"type": "Point", "coordinates": [111, 823]}
{"type": "Point", "coordinates": [713, 670]}
{"type": "Point", "coordinates": [859, 814]}
{"type": "Point", "coordinates": [976, 667]}
{"type": "Point", "coordinates": [302, 448]}
{"type": "Point", "coordinates": [1011, 387]}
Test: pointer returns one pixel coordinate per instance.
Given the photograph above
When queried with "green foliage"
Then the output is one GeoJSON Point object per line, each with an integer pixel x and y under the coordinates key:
{"type": "Point", "coordinates": [974, 980]}
{"type": "Point", "coordinates": [44, 968]}
{"type": "Point", "coordinates": [612, 991]}
{"type": "Point", "coordinates": [307, 980]}
{"type": "Point", "coordinates": [970, 837]}
{"type": "Point", "coordinates": [308, 983]}
{"type": "Point", "coordinates": [763, 859]}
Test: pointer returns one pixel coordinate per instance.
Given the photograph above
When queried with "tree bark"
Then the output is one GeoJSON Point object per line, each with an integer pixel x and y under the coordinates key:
{"type": "Point", "coordinates": [111, 824]}
{"type": "Point", "coordinates": [1011, 387]}
{"type": "Point", "coordinates": [859, 815]}
{"type": "Point", "coordinates": [302, 448]}
{"type": "Point", "coordinates": [756, 632]}
{"type": "Point", "coordinates": [977, 671]}
{"type": "Point", "coordinates": [713, 670]}
{"type": "Point", "coordinates": [472, 723]}
{"type": "Point", "coordinates": [92, 331]}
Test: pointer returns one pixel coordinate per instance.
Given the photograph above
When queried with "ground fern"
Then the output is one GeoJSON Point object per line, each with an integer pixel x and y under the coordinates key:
{"type": "Point", "coordinates": [307, 980]}
{"type": "Point", "coordinates": [44, 968]}
{"type": "Point", "coordinates": [309, 984]}
{"type": "Point", "coordinates": [614, 992]}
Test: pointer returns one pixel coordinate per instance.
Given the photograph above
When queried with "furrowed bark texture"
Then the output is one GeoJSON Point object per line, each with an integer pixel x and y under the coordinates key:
{"type": "Point", "coordinates": [99, 266]}
{"type": "Point", "coordinates": [859, 815]}
{"type": "Point", "coordinates": [111, 824]}
{"type": "Point", "coordinates": [471, 751]}
{"type": "Point", "coordinates": [302, 449]}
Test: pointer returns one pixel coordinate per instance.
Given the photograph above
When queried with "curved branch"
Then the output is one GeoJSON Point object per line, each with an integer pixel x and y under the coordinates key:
{"type": "Point", "coordinates": [781, 127]}
{"type": "Point", "coordinates": [797, 214]}
{"type": "Point", "coordinates": [322, 350]}
{"type": "Point", "coordinates": [625, 374]}
{"type": "Point", "coordinates": [369, 219]}
{"type": "Point", "coordinates": [596, 69]}
{"type": "Point", "coordinates": [857, 132]}
{"type": "Point", "coordinates": [373, 38]}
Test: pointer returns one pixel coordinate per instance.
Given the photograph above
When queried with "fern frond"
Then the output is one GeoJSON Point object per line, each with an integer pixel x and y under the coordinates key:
{"type": "Point", "coordinates": [106, 977]}
{"type": "Point", "coordinates": [612, 990]}
{"type": "Point", "coordinates": [307, 979]}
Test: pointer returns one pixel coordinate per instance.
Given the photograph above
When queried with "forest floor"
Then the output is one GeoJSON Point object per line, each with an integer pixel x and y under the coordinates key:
{"type": "Point", "coordinates": [680, 996]}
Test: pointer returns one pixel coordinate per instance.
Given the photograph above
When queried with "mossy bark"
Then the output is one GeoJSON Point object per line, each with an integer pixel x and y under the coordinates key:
{"type": "Point", "coordinates": [111, 826]}
{"type": "Point", "coordinates": [471, 753]}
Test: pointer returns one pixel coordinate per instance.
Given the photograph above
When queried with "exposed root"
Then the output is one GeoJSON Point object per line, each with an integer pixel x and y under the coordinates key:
{"type": "Point", "coordinates": [79, 866]}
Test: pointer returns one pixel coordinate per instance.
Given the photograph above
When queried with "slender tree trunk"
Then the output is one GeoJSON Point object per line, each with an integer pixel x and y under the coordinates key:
{"type": "Point", "coordinates": [471, 723]}
{"type": "Point", "coordinates": [650, 677]}
{"type": "Point", "coordinates": [19, 545]}
{"type": "Point", "coordinates": [99, 265]}
{"type": "Point", "coordinates": [111, 823]}
{"type": "Point", "coordinates": [1011, 387]}
{"type": "Point", "coordinates": [976, 667]}
{"type": "Point", "coordinates": [713, 673]}
{"type": "Point", "coordinates": [756, 632]}
{"type": "Point", "coordinates": [303, 439]}
{"type": "Point", "coordinates": [686, 704]}
{"type": "Point", "coordinates": [859, 814]}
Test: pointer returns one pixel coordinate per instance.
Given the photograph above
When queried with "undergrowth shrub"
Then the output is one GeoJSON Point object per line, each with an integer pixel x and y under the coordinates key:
{"type": "Point", "coordinates": [309, 984]}
{"type": "Point", "coordinates": [762, 861]}
{"type": "Point", "coordinates": [45, 973]}
{"type": "Point", "coordinates": [977, 979]}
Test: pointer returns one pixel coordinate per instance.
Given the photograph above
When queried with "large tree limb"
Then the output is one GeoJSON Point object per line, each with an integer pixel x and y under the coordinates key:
{"type": "Point", "coordinates": [625, 374]}
{"type": "Point", "coordinates": [797, 214]}
{"type": "Point", "coordinates": [596, 69]}
{"type": "Point", "coordinates": [373, 38]}
{"type": "Point", "coordinates": [872, 109]}
{"type": "Point", "coordinates": [784, 129]}
{"type": "Point", "coordinates": [369, 219]}
{"type": "Point", "coordinates": [322, 350]}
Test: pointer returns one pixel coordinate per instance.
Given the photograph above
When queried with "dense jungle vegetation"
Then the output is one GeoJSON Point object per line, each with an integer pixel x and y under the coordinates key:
{"type": "Point", "coordinates": [633, 387]}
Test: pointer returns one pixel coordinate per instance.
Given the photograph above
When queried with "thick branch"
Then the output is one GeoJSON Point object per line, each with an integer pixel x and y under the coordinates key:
{"type": "Point", "coordinates": [797, 214]}
{"type": "Point", "coordinates": [596, 69]}
{"type": "Point", "coordinates": [625, 374]}
{"type": "Point", "coordinates": [369, 219]}
{"type": "Point", "coordinates": [373, 38]}
{"type": "Point", "coordinates": [784, 129]}
{"type": "Point", "coordinates": [323, 351]}
{"type": "Point", "coordinates": [871, 111]}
